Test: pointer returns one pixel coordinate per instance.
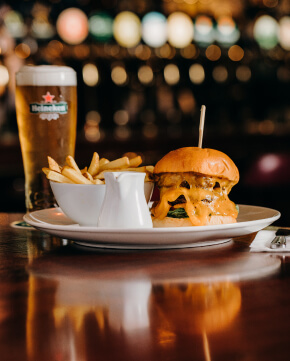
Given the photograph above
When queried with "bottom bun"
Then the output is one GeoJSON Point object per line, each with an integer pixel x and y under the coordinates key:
{"type": "Point", "coordinates": [185, 222]}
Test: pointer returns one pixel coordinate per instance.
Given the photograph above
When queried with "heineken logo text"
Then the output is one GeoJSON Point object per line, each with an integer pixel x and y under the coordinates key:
{"type": "Point", "coordinates": [60, 108]}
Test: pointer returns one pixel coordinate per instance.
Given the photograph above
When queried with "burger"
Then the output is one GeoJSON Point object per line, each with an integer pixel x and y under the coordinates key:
{"type": "Point", "coordinates": [194, 184]}
{"type": "Point", "coordinates": [195, 308]}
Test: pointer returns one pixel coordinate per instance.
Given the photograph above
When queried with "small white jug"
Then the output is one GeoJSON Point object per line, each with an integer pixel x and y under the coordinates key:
{"type": "Point", "coordinates": [124, 204]}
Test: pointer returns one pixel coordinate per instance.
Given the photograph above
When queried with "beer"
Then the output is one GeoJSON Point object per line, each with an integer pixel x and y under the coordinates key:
{"type": "Point", "coordinates": [46, 109]}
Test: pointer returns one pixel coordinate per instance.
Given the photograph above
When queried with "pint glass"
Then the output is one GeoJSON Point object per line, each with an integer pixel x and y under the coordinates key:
{"type": "Point", "coordinates": [46, 109]}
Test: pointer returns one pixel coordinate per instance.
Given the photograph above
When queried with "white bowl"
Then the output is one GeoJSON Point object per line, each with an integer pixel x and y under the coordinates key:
{"type": "Point", "coordinates": [82, 202]}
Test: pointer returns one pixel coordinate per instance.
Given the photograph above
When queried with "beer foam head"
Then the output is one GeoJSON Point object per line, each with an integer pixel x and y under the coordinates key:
{"type": "Point", "coordinates": [46, 75]}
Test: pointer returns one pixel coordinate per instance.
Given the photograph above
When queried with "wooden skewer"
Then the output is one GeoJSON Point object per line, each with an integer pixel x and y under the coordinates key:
{"type": "Point", "coordinates": [201, 125]}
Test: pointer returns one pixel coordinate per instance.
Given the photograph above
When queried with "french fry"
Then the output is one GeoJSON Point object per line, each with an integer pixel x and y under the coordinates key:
{"type": "Point", "coordinates": [88, 176]}
{"type": "Point", "coordinates": [100, 176]}
{"type": "Point", "coordinates": [98, 181]}
{"type": "Point", "coordinates": [135, 162]}
{"type": "Point", "coordinates": [149, 173]}
{"type": "Point", "coordinates": [94, 166]}
{"type": "Point", "coordinates": [117, 163]}
{"type": "Point", "coordinates": [103, 161]}
{"type": "Point", "coordinates": [138, 169]}
{"type": "Point", "coordinates": [146, 169]}
{"type": "Point", "coordinates": [72, 163]}
{"type": "Point", "coordinates": [55, 176]}
{"type": "Point", "coordinates": [74, 175]}
{"type": "Point", "coordinates": [150, 168]}
{"type": "Point", "coordinates": [95, 174]}
{"type": "Point", "coordinates": [53, 165]}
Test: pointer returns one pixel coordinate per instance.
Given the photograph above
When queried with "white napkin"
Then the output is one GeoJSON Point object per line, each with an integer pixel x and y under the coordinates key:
{"type": "Point", "coordinates": [262, 241]}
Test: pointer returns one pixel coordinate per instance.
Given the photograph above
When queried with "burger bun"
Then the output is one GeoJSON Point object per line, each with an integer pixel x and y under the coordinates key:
{"type": "Point", "coordinates": [209, 162]}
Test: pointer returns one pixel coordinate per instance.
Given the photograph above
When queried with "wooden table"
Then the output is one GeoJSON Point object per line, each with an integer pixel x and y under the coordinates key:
{"type": "Point", "coordinates": [63, 302]}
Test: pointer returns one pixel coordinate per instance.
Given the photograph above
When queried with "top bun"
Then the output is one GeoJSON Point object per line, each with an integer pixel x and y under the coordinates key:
{"type": "Point", "coordinates": [205, 161]}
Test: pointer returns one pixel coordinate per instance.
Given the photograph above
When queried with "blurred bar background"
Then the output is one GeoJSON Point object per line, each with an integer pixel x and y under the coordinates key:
{"type": "Point", "coordinates": [145, 68]}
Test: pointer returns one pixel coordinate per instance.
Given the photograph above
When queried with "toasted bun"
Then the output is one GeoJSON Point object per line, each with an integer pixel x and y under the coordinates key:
{"type": "Point", "coordinates": [210, 162]}
{"type": "Point", "coordinates": [185, 222]}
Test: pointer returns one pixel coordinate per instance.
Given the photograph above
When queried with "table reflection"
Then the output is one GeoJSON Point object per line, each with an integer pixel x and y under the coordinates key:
{"type": "Point", "coordinates": [86, 314]}
{"type": "Point", "coordinates": [134, 305]}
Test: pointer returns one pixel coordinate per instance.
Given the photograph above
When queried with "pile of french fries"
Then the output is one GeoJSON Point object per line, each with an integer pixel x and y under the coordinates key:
{"type": "Point", "coordinates": [95, 173]}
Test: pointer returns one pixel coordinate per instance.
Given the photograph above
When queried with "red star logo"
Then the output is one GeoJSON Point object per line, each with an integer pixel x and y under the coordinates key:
{"type": "Point", "coordinates": [48, 97]}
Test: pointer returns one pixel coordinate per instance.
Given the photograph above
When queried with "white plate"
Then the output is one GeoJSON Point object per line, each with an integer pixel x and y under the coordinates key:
{"type": "Point", "coordinates": [53, 221]}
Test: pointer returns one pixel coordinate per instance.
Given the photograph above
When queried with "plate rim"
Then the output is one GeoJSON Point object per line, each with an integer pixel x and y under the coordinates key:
{"type": "Point", "coordinates": [81, 229]}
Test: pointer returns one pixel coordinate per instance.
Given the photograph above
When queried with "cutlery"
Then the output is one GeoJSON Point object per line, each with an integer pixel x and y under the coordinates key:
{"type": "Point", "coordinates": [280, 239]}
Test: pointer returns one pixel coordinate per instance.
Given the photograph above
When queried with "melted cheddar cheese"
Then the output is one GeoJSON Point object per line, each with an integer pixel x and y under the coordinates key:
{"type": "Point", "coordinates": [204, 197]}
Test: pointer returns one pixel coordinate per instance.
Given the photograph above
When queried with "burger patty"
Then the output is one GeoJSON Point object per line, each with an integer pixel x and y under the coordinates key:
{"type": "Point", "coordinates": [189, 178]}
{"type": "Point", "coordinates": [180, 200]}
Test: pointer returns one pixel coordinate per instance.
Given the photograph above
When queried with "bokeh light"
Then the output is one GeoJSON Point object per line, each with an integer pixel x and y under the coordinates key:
{"type": "Point", "coordinates": [154, 29]}
{"type": "Point", "coordinates": [150, 131]}
{"type": "Point", "coordinates": [204, 32]}
{"type": "Point", "coordinates": [119, 75]}
{"type": "Point", "coordinates": [22, 51]}
{"type": "Point", "coordinates": [265, 32]}
{"type": "Point", "coordinates": [227, 32]}
{"type": "Point", "coordinates": [196, 73]}
{"type": "Point", "coordinates": [266, 127]}
{"type": "Point", "coordinates": [284, 34]}
{"type": "Point", "coordinates": [72, 26]}
{"type": "Point", "coordinates": [127, 29]}
{"type": "Point", "coordinates": [90, 74]}
{"type": "Point", "coordinates": [54, 48]}
{"type": "Point", "coordinates": [186, 101]}
{"type": "Point", "coordinates": [32, 43]}
{"type": "Point", "coordinates": [4, 75]}
{"type": "Point", "coordinates": [13, 21]}
{"type": "Point", "coordinates": [42, 29]}
{"type": "Point", "coordinates": [145, 74]}
{"type": "Point", "coordinates": [122, 132]}
{"type": "Point", "coordinates": [189, 52]}
{"type": "Point", "coordinates": [283, 74]}
{"type": "Point", "coordinates": [94, 115]}
{"type": "Point", "coordinates": [166, 51]}
{"type": "Point", "coordinates": [213, 52]}
{"type": "Point", "coordinates": [101, 26]}
{"type": "Point", "coordinates": [91, 128]}
{"type": "Point", "coordinates": [236, 53]}
{"type": "Point", "coordinates": [81, 51]}
{"type": "Point", "coordinates": [143, 52]}
{"type": "Point", "coordinates": [121, 117]}
{"type": "Point", "coordinates": [180, 29]}
{"type": "Point", "coordinates": [269, 163]}
{"type": "Point", "coordinates": [243, 73]}
{"type": "Point", "coordinates": [270, 3]}
{"type": "Point", "coordinates": [171, 74]}
{"type": "Point", "coordinates": [220, 74]}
